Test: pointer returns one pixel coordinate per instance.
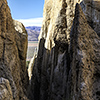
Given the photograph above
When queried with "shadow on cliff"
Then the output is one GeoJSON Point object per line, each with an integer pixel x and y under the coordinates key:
{"type": "Point", "coordinates": [57, 73]}
{"type": "Point", "coordinates": [48, 75]}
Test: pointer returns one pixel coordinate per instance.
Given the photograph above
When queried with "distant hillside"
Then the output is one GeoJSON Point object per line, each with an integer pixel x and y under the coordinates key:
{"type": "Point", "coordinates": [33, 33]}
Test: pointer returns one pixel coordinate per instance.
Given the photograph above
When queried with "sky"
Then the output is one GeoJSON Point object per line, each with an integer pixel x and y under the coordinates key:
{"type": "Point", "coordinates": [29, 12]}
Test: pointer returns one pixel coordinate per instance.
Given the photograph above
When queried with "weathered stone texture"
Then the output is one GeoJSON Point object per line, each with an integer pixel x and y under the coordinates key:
{"type": "Point", "coordinates": [13, 47]}
{"type": "Point", "coordinates": [66, 66]}
{"type": "Point", "coordinates": [85, 56]}
{"type": "Point", "coordinates": [5, 90]}
{"type": "Point", "coordinates": [91, 9]}
{"type": "Point", "coordinates": [67, 63]}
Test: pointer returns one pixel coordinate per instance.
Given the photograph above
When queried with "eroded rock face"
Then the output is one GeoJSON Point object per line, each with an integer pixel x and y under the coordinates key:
{"type": "Point", "coordinates": [85, 56]}
{"type": "Point", "coordinates": [91, 9]}
{"type": "Point", "coordinates": [59, 15]}
{"type": "Point", "coordinates": [13, 47]}
{"type": "Point", "coordinates": [67, 63]}
{"type": "Point", "coordinates": [5, 90]}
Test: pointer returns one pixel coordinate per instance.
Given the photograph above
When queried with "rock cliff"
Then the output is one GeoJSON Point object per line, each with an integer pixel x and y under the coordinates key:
{"type": "Point", "coordinates": [67, 64]}
{"type": "Point", "coordinates": [13, 47]}
{"type": "Point", "coordinates": [85, 56]}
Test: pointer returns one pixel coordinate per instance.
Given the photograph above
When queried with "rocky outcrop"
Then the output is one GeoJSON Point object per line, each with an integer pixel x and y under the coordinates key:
{"type": "Point", "coordinates": [67, 63]}
{"type": "Point", "coordinates": [13, 47]}
{"type": "Point", "coordinates": [85, 56]}
{"type": "Point", "coordinates": [22, 42]}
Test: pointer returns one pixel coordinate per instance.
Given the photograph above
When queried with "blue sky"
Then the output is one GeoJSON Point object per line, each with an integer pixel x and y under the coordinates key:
{"type": "Point", "coordinates": [29, 12]}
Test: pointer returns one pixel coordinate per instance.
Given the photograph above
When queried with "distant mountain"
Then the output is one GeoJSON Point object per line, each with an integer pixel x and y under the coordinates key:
{"type": "Point", "coordinates": [33, 33]}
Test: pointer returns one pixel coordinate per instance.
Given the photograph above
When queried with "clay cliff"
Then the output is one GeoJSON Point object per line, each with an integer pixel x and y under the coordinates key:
{"type": "Point", "coordinates": [67, 64]}
{"type": "Point", "coordinates": [13, 48]}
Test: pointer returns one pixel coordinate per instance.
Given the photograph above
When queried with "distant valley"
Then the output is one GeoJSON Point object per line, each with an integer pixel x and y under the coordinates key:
{"type": "Point", "coordinates": [33, 33]}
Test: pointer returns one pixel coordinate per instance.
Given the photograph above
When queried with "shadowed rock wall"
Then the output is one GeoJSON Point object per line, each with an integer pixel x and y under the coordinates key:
{"type": "Point", "coordinates": [67, 63]}
{"type": "Point", "coordinates": [85, 56]}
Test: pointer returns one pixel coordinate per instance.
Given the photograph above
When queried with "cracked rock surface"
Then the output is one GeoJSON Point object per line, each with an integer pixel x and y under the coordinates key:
{"type": "Point", "coordinates": [67, 64]}
{"type": "Point", "coordinates": [13, 48]}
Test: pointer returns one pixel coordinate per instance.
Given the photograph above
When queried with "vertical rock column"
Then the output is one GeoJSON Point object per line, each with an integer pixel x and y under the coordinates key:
{"type": "Point", "coordinates": [85, 56]}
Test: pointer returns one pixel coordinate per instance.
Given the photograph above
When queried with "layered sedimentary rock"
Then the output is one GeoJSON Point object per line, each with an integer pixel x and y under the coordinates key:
{"type": "Point", "coordinates": [13, 47]}
{"type": "Point", "coordinates": [67, 63]}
